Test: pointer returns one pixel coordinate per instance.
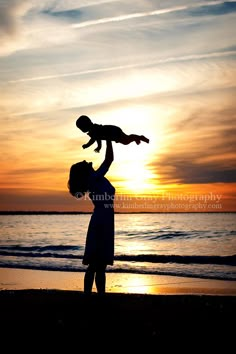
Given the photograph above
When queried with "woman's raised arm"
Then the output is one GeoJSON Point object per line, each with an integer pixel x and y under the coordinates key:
{"type": "Point", "coordinates": [109, 157]}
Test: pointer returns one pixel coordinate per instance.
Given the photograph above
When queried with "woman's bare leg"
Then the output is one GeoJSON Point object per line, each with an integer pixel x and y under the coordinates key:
{"type": "Point", "coordinates": [88, 279]}
{"type": "Point", "coordinates": [100, 279]}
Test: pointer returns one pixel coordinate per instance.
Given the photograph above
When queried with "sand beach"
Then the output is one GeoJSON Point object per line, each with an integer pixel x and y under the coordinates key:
{"type": "Point", "coordinates": [69, 319]}
{"type": "Point", "coordinates": [56, 316]}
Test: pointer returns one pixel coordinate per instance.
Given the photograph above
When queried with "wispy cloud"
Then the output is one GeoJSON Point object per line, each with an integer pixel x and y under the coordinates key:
{"type": "Point", "coordinates": [144, 14]}
{"type": "Point", "coordinates": [74, 4]}
{"type": "Point", "coordinates": [168, 79]}
{"type": "Point", "coordinates": [126, 17]}
{"type": "Point", "coordinates": [132, 66]}
{"type": "Point", "coordinates": [29, 24]}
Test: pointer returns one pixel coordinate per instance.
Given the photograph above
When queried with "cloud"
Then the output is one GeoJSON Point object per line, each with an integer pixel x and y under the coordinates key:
{"type": "Point", "coordinates": [204, 149]}
{"type": "Point", "coordinates": [190, 172]}
{"type": "Point", "coordinates": [131, 66]}
{"type": "Point", "coordinates": [205, 7]}
{"type": "Point", "coordinates": [215, 8]}
{"type": "Point", "coordinates": [110, 86]}
{"type": "Point", "coordinates": [27, 24]}
{"type": "Point", "coordinates": [89, 51]}
{"type": "Point", "coordinates": [11, 13]}
{"type": "Point", "coordinates": [50, 200]}
{"type": "Point", "coordinates": [74, 4]}
{"type": "Point", "coordinates": [32, 24]}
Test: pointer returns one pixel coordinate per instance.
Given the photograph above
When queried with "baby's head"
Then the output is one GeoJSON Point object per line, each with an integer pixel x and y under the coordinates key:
{"type": "Point", "coordinates": [84, 123]}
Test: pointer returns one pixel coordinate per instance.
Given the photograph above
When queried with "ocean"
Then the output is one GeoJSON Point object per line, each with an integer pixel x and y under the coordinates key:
{"type": "Point", "coordinates": [200, 245]}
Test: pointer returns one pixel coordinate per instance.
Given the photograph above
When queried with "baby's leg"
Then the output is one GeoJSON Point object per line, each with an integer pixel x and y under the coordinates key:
{"type": "Point", "coordinates": [143, 138]}
{"type": "Point", "coordinates": [127, 139]}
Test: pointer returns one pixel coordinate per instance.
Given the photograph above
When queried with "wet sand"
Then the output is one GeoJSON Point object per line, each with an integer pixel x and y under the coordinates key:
{"type": "Point", "coordinates": [19, 279]}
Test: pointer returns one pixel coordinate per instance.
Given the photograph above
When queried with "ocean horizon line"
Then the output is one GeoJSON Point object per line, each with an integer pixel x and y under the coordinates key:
{"type": "Point", "coordinates": [55, 212]}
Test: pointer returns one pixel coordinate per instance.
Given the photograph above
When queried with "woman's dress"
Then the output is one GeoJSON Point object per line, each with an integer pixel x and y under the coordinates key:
{"type": "Point", "coordinates": [99, 247]}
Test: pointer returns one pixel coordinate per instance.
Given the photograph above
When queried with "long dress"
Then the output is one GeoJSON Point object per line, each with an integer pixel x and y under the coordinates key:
{"type": "Point", "coordinates": [99, 247]}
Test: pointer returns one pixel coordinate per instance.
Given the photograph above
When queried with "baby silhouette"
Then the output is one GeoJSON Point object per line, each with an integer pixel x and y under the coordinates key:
{"type": "Point", "coordinates": [98, 132]}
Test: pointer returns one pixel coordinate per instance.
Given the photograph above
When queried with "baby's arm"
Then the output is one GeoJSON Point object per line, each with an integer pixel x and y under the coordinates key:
{"type": "Point", "coordinates": [89, 143]}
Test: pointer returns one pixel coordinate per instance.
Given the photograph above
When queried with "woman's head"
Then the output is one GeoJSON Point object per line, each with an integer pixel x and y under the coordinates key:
{"type": "Point", "coordinates": [79, 178]}
{"type": "Point", "coordinates": [84, 123]}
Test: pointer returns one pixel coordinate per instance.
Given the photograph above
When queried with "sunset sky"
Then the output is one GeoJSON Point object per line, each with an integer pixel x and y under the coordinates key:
{"type": "Point", "coordinates": [164, 69]}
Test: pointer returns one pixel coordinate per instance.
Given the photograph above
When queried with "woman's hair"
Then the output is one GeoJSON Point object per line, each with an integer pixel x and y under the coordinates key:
{"type": "Point", "coordinates": [78, 179]}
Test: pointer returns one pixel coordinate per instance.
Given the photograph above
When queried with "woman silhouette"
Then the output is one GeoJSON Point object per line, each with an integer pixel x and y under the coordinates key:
{"type": "Point", "coordinates": [99, 248]}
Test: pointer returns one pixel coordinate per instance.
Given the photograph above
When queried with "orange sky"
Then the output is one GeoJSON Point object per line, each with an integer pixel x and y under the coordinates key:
{"type": "Point", "coordinates": [166, 71]}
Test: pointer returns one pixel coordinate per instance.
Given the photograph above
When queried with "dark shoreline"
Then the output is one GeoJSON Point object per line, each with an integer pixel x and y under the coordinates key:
{"type": "Point", "coordinates": [58, 317]}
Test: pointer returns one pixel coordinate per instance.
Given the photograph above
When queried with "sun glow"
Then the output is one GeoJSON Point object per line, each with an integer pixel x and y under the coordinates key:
{"type": "Point", "coordinates": [131, 171]}
{"type": "Point", "coordinates": [137, 179]}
